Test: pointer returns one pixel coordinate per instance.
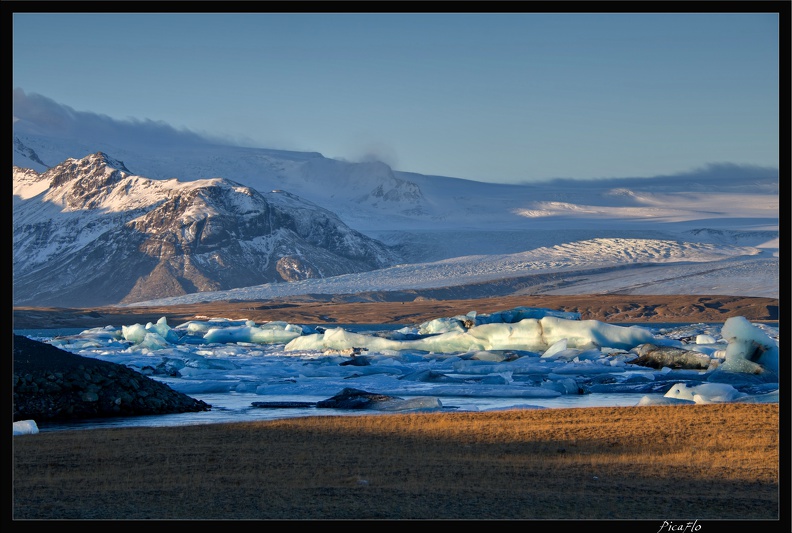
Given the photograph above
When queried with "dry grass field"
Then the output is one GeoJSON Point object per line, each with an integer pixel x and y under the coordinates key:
{"type": "Point", "coordinates": [717, 462]}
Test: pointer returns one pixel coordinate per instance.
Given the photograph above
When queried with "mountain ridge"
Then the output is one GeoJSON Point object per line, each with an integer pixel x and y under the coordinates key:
{"type": "Point", "coordinates": [424, 219]}
{"type": "Point", "coordinates": [371, 197]}
{"type": "Point", "coordinates": [98, 234]}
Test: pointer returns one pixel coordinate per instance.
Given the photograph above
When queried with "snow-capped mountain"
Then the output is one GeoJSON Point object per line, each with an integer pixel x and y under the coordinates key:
{"type": "Point", "coordinates": [344, 187]}
{"type": "Point", "coordinates": [90, 232]}
{"type": "Point", "coordinates": [486, 229]}
{"type": "Point", "coordinates": [438, 217]}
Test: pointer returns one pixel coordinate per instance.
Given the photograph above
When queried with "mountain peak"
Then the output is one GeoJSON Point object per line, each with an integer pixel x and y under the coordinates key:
{"type": "Point", "coordinates": [98, 169]}
{"type": "Point", "coordinates": [103, 158]}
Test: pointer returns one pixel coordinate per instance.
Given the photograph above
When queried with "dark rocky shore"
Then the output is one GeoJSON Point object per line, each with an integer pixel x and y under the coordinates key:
{"type": "Point", "coordinates": [52, 384]}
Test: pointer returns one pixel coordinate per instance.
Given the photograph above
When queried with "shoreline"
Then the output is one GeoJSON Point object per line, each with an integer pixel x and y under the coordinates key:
{"type": "Point", "coordinates": [340, 310]}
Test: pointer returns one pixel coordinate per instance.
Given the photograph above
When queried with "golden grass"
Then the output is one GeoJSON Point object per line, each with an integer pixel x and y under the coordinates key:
{"type": "Point", "coordinates": [648, 463]}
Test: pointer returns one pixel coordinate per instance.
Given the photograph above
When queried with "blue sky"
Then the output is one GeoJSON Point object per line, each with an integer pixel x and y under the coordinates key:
{"type": "Point", "coordinates": [491, 97]}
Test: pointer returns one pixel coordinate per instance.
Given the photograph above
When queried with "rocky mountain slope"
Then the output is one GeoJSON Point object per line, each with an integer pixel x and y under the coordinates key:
{"type": "Point", "coordinates": [89, 232]}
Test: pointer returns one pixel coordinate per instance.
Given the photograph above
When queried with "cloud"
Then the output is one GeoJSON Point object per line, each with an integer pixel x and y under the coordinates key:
{"type": "Point", "coordinates": [709, 175]}
{"type": "Point", "coordinates": [378, 152]}
{"type": "Point", "coordinates": [37, 114]}
{"type": "Point", "coordinates": [36, 111]}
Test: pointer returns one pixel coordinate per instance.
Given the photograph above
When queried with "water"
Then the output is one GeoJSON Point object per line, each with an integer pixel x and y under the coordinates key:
{"type": "Point", "coordinates": [230, 377]}
{"type": "Point", "coordinates": [236, 407]}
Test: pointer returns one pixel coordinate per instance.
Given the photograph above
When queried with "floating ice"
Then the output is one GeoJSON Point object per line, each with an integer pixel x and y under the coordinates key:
{"type": "Point", "coordinates": [528, 334]}
{"type": "Point", "coordinates": [460, 323]}
{"type": "Point", "coordinates": [703, 338]}
{"type": "Point", "coordinates": [547, 359]}
{"type": "Point", "coordinates": [269, 333]}
{"type": "Point", "coordinates": [749, 349]}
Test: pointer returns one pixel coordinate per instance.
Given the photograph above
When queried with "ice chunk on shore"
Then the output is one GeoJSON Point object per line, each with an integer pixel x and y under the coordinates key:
{"type": "Point", "coordinates": [25, 427]}
{"type": "Point", "coordinates": [705, 392]}
{"type": "Point", "coordinates": [664, 400]}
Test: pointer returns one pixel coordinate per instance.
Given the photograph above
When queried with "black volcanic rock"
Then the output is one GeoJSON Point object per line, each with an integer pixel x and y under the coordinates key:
{"type": "Point", "coordinates": [53, 384]}
{"type": "Point", "coordinates": [350, 398]}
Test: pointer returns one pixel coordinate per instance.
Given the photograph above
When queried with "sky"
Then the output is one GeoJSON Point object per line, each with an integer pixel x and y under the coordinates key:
{"type": "Point", "coordinates": [495, 97]}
